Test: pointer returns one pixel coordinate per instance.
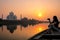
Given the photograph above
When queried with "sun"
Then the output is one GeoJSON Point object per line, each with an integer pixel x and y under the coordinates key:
{"type": "Point", "coordinates": [39, 14]}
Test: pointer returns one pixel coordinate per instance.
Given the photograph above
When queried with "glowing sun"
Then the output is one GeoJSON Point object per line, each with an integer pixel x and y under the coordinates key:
{"type": "Point", "coordinates": [40, 15]}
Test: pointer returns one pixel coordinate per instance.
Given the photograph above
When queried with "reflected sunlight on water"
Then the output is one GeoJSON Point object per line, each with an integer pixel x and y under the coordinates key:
{"type": "Point", "coordinates": [19, 34]}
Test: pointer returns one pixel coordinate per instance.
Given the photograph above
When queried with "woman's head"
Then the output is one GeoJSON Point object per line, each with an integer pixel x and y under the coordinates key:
{"type": "Point", "coordinates": [55, 18]}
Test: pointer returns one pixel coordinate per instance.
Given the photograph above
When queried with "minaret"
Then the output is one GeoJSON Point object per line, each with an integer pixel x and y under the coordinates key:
{"type": "Point", "coordinates": [21, 25]}
{"type": "Point", "coordinates": [20, 16]}
{"type": "Point", "coordinates": [2, 16]}
{"type": "Point", "coordinates": [2, 19]}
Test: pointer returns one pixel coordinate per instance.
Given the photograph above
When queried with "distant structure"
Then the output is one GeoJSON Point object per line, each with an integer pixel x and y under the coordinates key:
{"type": "Point", "coordinates": [2, 16]}
{"type": "Point", "coordinates": [11, 16]}
{"type": "Point", "coordinates": [2, 19]}
{"type": "Point", "coordinates": [20, 16]}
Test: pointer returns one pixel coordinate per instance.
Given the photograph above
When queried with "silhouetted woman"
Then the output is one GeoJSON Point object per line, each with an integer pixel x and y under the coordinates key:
{"type": "Point", "coordinates": [54, 24]}
{"type": "Point", "coordinates": [55, 21]}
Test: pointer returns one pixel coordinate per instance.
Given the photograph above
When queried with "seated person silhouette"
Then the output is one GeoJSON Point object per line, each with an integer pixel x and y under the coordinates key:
{"type": "Point", "coordinates": [54, 24]}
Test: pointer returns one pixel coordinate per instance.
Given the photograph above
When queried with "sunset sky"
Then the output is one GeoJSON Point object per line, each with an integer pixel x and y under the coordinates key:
{"type": "Point", "coordinates": [37, 9]}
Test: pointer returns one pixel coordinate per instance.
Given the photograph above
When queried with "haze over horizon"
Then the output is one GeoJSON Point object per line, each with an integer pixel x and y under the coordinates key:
{"type": "Point", "coordinates": [37, 9]}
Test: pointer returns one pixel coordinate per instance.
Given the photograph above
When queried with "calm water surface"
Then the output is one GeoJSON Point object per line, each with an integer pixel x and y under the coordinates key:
{"type": "Point", "coordinates": [18, 32]}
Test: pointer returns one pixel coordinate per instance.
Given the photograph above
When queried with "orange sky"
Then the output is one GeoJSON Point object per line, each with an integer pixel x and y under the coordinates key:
{"type": "Point", "coordinates": [31, 8]}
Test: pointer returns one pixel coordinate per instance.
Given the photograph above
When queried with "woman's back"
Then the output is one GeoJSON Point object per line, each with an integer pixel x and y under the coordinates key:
{"type": "Point", "coordinates": [55, 21]}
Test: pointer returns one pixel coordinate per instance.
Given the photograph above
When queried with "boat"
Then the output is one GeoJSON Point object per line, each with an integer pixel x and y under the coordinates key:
{"type": "Point", "coordinates": [47, 34]}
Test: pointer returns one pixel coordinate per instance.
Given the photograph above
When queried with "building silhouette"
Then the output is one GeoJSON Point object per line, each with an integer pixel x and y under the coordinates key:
{"type": "Point", "coordinates": [24, 21]}
{"type": "Point", "coordinates": [11, 16]}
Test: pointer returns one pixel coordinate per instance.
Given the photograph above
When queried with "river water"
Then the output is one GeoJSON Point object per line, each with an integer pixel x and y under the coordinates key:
{"type": "Point", "coordinates": [18, 32]}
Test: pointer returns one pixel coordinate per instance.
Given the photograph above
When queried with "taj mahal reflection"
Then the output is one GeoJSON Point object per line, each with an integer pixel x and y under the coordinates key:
{"type": "Point", "coordinates": [11, 28]}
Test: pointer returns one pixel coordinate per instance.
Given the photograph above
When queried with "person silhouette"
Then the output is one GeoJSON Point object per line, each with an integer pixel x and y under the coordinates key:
{"type": "Point", "coordinates": [54, 25]}
{"type": "Point", "coordinates": [55, 21]}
